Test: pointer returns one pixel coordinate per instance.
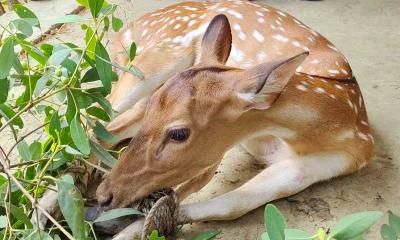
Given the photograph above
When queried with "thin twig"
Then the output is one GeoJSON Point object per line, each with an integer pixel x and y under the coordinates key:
{"type": "Point", "coordinates": [23, 137]}
{"type": "Point", "coordinates": [31, 199]}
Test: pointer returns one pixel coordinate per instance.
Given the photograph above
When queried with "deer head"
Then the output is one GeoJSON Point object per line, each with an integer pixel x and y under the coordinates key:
{"type": "Point", "coordinates": [194, 118]}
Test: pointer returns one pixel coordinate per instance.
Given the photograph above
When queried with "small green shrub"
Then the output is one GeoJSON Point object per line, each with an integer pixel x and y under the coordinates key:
{"type": "Point", "coordinates": [350, 227]}
{"type": "Point", "coordinates": [63, 87]}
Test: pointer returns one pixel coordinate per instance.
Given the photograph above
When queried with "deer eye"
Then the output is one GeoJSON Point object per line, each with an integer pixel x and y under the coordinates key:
{"type": "Point", "coordinates": [179, 134]}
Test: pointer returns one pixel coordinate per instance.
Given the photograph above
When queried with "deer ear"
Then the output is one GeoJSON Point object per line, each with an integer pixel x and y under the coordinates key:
{"type": "Point", "coordinates": [262, 84]}
{"type": "Point", "coordinates": [217, 41]}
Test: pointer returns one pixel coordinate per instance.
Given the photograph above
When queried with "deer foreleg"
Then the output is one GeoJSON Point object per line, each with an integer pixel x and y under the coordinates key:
{"type": "Point", "coordinates": [281, 179]}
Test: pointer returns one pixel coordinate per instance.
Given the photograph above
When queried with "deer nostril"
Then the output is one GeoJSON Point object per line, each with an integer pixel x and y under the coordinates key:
{"type": "Point", "coordinates": [105, 201]}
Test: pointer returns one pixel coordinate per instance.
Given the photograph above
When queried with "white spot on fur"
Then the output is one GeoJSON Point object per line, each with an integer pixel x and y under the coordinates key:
{"type": "Point", "coordinates": [301, 88]}
{"type": "Point", "coordinates": [338, 86]}
{"type": "Point", "coordinates": [319, 90]}
{"type": "Point", "coordinates": [191, 8]}
{"type": "Point", "coordinates": [261, 56]}
{"type": "Point", "coordinates": [350, 103]}
{"type": "Point", "coordinates": [242, 36]}
{"type": "Point", "coordinates": [144, 32]}
{"type": "Point", "coordinates": [363, 136]}
{"type": "Point", "coordinates": [281, 13]}
{"type": "Point", "coordinates": [280, 38]}
{"type": "Point", "coordinates": [235, 14]}
{"type": "Point", "coordinates": [236, 27]}
{"type": "Point", "coordinates": [188, 38]}
{"type": "Point", "coordinates": [191, 23]}
{"type": "Point", "coordinates": [296, 43]}
{"type": "Point", "coordinates": [257, 35]}
{"type": "Point", "coordinates": [249, 97]}
{"type": "Point", "coordinates": [236, 54]}
{"type": "Point", "coordinates": [344, 135]}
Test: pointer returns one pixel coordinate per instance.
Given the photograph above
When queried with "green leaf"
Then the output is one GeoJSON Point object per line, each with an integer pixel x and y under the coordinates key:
{"type": "Point", "coordinates": [95, 7]}
{"type": "Point", "coordinates": [4, 88]}
{"type": "Point", "coordinates": [132, 69]}
{"type": "Point", "coordinates": [69, 19]}
{"type": "Point", "coordinates": [264, 236]}
{"type": "Point", "coordinates": [18, 66]}
{"type": "Point", "coordinates": [85, 3]}
{"type": "Point", "coordinates": [103, 66]}
{"type": "Point", "coordinates": [154, 236]}
{"type": "Point", "coordinates": [91, 41]}
{"type": "Point", "coordinates": [394, 222]}
{"type": "Point", "coordinates": [207, 235]}
{"type": "Point", "coordinates": [116, 23]}
{"type": "Point", "coordinates": [6, 53]}
{"type": "Point", "coordinates": [90, 76]}
{"type": "Point", "coordinates": [23, 150]}
{"type": "Point", "coordinates": [116, 213]}
{"type": "Point", "coordinates": [26, 14]}
{"type": "Point", "coordinates": [83, 100]}
{"type": "Point", "coordinates": [104, 103]}
{"type": "Point", "coordinates": [60, 53]}
{"type": "Point", "coordinates": [291, 234]}
{"type": "Point", "coordinates": [71, 107]}
{"type": "Point", "coordinates": [388, 233]}
{"type": "Point", "coordinates": [8, 113]}
{"type": "Point", "coordinates": [36, 234]}
{"type": "Point", "coordinates": [71, 205]}
{"type": "Point", "coordinates": [102, 154]}
{"type": "Point", "coordinates": [21, 216]}
{"type": "Point", "coordinates": [79, 51]}
{"type": "Point", "coordinates": [103, 134]}
{"type": "Point", "coordinates": [354, 225]}
{"type": "Point", "coordinates": [3, 221]}
{"type": "Point", "coordinates": [132, 51]}
{"type": "Point", "coordinates": [41, 84]}
{"type": "Point", "coordinates": [79, 137]}
{"type": "Point", "coordinates": [47, 49]}
{"type": "Point", "coordinates": [33, 51]}
{"type": "Point", "coordinates": [54, 125]}
{"type": "Point", "coordinates": [35, 150]}
{"type": "Point", "coordinates": [72, 151]}
{"type": "Point", "coordinates": [274, 222]}
{"type": "Point", "coordinates": [23, 26]}
{"type": "Point", "coordinates": [106, 26]}
{"type": "Point", "coordinates": [98, 113]}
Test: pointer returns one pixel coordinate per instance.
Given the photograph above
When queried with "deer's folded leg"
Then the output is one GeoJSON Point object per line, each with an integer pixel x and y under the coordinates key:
{"type": "Point", "coordinates": [280, 180]}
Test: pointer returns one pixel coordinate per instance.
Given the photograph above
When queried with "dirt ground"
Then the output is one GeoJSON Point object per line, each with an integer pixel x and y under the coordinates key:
{"type": "Point", "coordinates": [368, 33]}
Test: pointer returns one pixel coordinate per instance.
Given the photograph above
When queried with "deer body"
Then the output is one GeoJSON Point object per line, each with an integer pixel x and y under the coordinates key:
{"type": "Point", "coordinates": [254, 76]}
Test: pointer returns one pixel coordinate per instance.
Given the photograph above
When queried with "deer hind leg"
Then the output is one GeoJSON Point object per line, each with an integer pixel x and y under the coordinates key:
{"type": "Point", "coordinates": [283, 178]}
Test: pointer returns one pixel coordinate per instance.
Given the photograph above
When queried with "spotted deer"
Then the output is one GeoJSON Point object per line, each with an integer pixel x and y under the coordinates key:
{"type": "Point", "coordinates": [219, 74]}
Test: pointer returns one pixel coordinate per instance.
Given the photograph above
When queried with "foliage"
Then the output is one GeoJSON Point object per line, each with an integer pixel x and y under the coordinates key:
{"type": "Point", "coordinates": [63, 86]}
{"type": "Point", "coordinates": [350, 227]}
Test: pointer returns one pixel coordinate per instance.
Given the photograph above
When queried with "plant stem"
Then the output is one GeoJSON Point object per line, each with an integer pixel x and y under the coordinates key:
{"type": "Point", "coordinates": [23, 137]}
{"type": "Point", "coordinates": [31, 199]}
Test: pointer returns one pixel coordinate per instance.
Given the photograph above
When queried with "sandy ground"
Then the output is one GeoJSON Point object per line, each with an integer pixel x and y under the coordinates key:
{"type": "Point", "coordinates": [368, 33]}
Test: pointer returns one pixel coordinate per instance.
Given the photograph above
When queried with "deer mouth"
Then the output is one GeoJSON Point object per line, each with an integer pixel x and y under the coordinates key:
{"type": "Point", "coordinates": [153, 207]}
